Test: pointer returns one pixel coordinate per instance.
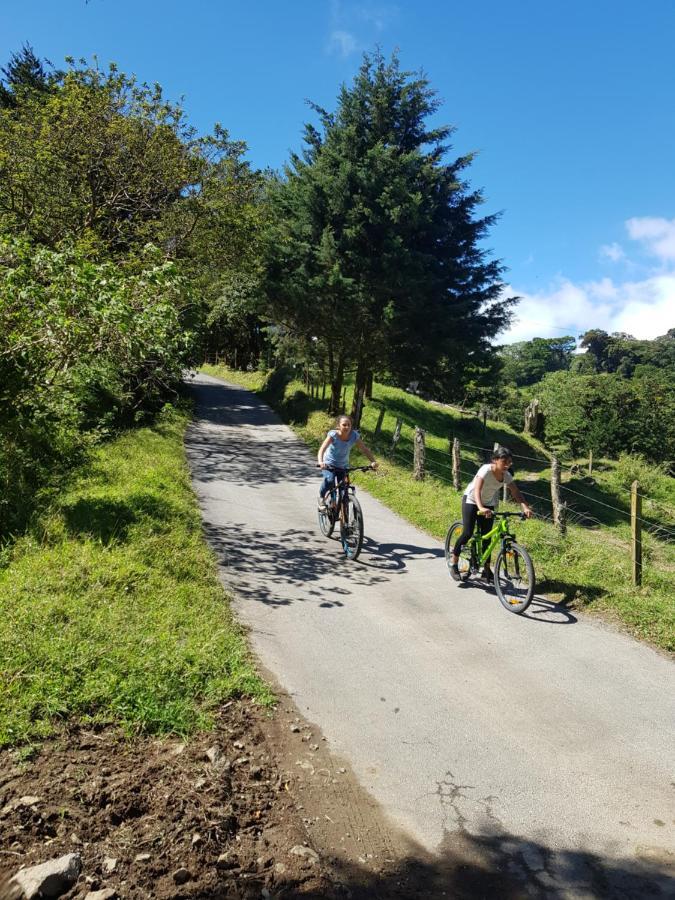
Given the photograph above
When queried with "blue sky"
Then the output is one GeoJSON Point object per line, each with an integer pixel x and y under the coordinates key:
{"type": "Point", "coordinates": [568, 105]}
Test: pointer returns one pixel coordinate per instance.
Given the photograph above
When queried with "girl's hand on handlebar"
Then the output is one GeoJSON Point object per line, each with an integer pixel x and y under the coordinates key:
{"type": "Point", "coordinates": [486, 512]}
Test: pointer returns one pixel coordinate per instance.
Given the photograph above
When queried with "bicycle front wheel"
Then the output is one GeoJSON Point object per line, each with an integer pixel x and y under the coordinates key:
{"type": "Point", "coordinates": [351, 528]}
{"type": "Point", "coordinates": [514, 578]}
{"type": "Point", "coordinates": [464, 561]}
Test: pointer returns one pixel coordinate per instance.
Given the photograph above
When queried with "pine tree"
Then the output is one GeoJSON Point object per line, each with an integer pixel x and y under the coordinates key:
{"type": "Point", "coordinates": [375, 243]}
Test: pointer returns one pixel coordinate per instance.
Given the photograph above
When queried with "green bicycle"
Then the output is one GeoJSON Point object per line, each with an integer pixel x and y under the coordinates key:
{"type": "Point", "coordinates": [513, 571]}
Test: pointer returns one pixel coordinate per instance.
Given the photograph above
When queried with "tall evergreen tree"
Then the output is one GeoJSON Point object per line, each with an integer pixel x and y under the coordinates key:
{"type": "Point", "coordinates": [375, 243]}
{"type": "Point", "coordinates": [24, 73]}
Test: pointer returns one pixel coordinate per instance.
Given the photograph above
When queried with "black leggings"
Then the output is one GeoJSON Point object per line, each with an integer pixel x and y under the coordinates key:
{"type": "Point", "coordinates": [469, 516]}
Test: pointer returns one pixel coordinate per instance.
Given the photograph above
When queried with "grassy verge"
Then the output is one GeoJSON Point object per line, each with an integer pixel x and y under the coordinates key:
{"type": "Point", "coordinates": [110, 610]}
{"type": "Point", "coordinates": [589, 568]}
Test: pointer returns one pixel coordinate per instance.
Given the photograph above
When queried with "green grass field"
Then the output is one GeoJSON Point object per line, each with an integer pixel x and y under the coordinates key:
{"type": "Point", "coordinates": [589, 568]}
{"type": "Point", "coordinates": [110, 608]}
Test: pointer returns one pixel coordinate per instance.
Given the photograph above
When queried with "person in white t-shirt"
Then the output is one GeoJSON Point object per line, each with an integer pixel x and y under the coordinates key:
{"type": "Point", "coordinates": [481, 496]}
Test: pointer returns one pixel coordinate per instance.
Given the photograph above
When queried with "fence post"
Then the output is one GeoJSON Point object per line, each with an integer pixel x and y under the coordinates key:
{"type": "Point", "coordinates": [456, 464]}
{"type": "Point", "coordinates": [378, 425]}
{"type": "Point", "coordinates": [559, 508]}
{"type": "Point", "coordinates": [396, 436]}
{"type": "Point", "coordinates": [590, 462]}
{"type": "Point", "coordinates": [418, 462]}
{"type": "Point", "coordinates": [636, 531]}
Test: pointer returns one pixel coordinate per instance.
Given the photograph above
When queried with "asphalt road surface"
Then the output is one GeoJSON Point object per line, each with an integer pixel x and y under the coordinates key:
{"type": "Point", "coordinates": [548, 732]}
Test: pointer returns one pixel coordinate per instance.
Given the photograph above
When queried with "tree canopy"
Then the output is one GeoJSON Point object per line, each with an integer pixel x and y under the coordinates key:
{"type": "Point", "coordinates": [374, 245]}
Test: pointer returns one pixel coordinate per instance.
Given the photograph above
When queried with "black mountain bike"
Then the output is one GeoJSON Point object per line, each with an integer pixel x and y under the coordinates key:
{"type": "Point", "coordinates": [343, 507]}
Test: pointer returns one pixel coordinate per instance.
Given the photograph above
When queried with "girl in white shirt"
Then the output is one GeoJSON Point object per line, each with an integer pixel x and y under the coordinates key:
{"type": "Point", "coordinates": [481, 496]}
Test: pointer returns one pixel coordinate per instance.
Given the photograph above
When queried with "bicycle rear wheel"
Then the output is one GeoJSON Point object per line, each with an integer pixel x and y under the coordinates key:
{"type": "Point", "coordinates": [464, 561]}
{"type": "Point", "coordinates": [514, 578]}
{"type": "Point", "coordinates": [351, 528]}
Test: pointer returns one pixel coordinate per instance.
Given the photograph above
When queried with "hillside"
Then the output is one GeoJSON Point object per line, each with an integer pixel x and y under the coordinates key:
{"type": "Point", "coordinates": [587, 569]}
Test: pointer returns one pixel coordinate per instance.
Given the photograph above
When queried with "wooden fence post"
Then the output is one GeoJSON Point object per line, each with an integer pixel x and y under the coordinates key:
{"type": "Point", "coordinates": [636, 531]}
{"type": "Point", "coordinates": [378, 425]}
{"type": "Point", "coordinates": [590, 463]}
{"type": "Point", "coordinates": [559, 508]}
{"type": "Point", "coordinates": [396, 436]}
{"type": "Point", "coordinates": [456, 464]}
{"type": "Point", "coordinates": [418, 461]}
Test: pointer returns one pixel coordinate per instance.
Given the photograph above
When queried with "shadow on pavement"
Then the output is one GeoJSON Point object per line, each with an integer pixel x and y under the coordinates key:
{"type": "Point", "coordinates": [500, 866]}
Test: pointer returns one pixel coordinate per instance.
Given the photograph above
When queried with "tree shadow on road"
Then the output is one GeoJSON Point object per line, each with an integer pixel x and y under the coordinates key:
{"type": "Point", "coordinates": [281, 568]}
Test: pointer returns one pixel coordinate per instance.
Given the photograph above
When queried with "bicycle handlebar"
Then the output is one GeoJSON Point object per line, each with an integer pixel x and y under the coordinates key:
{"type": "Point", "coordinates": [506, 515]}
{"type": "Point", "coordinates": [346, 468]}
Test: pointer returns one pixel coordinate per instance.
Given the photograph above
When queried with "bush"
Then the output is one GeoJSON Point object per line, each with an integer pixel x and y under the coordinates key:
{"type": "Point", "coordinates": [276, 383]}
{"type": "Point", "coordinates": [83, 346]}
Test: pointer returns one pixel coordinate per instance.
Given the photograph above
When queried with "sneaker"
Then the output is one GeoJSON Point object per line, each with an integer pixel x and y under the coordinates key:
{"type": "Point", "coordinates": [454, 572]}
{"type": "Point", "coordinates": [322, 506]}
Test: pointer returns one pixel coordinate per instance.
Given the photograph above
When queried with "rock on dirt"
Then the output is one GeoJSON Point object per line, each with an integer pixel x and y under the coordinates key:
{"type": "Point", "coordinates": [50, 879]}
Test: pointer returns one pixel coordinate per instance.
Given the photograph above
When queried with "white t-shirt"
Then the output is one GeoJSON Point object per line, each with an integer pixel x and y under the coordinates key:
{"type": "Point", "coordinates": [491, 486]}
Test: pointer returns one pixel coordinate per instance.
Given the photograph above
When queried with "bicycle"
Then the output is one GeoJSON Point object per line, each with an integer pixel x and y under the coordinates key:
{"type": "Point", "coordinates": [513, 571]}
{"type": "Point", "coordinates": [342, 506]}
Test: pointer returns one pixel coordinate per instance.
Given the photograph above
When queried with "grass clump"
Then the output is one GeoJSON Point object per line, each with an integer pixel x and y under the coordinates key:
{"type": "Point", "coordinates": [110, 609]}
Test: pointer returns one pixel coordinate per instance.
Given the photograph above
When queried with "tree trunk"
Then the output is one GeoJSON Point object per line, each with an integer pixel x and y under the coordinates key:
{"type": "Point", "coordinates": [337, 373]}
{"type": "Point", "coordinates": [360, 385]}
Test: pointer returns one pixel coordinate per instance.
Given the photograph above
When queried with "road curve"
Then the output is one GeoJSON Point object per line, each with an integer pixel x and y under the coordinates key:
{"type": "Point", "coordinates": [554, 736]}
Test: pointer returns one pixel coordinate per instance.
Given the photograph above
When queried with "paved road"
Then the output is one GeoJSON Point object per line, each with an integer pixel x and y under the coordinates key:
{"type": "Point", "coordinates": [551, 734]}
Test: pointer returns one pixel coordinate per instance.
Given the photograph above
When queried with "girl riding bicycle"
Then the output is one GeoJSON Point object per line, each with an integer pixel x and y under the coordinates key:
{"type": "Point", "coordinates": [481, 496]}
{"type": "Point", "coordinates": [335, 452]}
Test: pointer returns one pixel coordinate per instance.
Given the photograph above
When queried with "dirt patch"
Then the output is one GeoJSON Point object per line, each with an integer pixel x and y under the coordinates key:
{"type": "Point", "coordinates": [144, 814]}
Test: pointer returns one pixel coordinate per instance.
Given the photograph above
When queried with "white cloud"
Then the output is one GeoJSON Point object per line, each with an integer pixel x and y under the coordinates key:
{"type": "Point", "coordinates": [644, 308]}
{"type": "Point", "coordinates": [612, 251]}
{"type": "Point", "coordinates": [657, 235]}
{"type": "Point", "coordinates": [342, 42]}
{"type": "Point", "coordinates": [349, 19]}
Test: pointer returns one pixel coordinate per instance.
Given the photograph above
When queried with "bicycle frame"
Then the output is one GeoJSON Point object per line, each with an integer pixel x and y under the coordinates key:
{"type": "Point", "coordinates": [340, 491]}
{"type": "Point", "coordinates": [498, 533]}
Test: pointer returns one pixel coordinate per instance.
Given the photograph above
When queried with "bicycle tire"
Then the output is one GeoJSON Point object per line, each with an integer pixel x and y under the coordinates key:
{"type": "Point", "coordinates": [326, 522]}
{"type": "Point", "coordinates": [514, 578]}
{"type": "Point", "coordinates": [351, 531]}
{"type": "Point", "coordinates": [465, 561]}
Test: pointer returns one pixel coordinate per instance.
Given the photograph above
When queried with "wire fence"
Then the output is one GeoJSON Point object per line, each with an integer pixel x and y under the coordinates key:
{"type": "Point", "coordinates": [576, 508]}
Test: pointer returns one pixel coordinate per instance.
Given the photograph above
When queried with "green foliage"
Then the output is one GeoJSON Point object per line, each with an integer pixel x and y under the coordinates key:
{"type": "Point", "coordinates": [527, 362]}
{"type": "Point", "coordinates": [610, 414]}
{"type": "Point", "coordinates": [622, 353]}
{"type": "Point", "coordinates": [111, 609]}
{"type": "Point", "coordinates": [82, 346]}
{"type": "Point", "coordinates": [374, 244]}
{"type": "Point", "coordinates": [23, 76]}
{"type": "Point", "coordinates": [99, 159]}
